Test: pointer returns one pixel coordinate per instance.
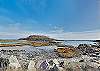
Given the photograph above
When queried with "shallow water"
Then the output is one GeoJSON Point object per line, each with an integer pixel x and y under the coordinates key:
{"type": "Point", "coordinates": [77, 42]}
{"type": "Point", "coordinates": [48, 48]}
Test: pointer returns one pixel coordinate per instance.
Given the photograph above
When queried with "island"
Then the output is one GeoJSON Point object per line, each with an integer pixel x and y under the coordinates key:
{"type": "Point", "coordinates": [32, 40]}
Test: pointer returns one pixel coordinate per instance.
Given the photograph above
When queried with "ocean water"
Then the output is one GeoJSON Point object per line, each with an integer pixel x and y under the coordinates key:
{"type": "Point", "coordinates": [48, 48]}
{"type": "Point", "coordinates": [8, 42]}
{"type": "Point", "coordinates": [77, 42]}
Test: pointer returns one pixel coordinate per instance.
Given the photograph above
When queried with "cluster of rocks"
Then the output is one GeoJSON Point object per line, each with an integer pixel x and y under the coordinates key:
{"type": "Point", "coordinates": [91, 50]}
{"type": "Point", "coordinates": [43, 60]}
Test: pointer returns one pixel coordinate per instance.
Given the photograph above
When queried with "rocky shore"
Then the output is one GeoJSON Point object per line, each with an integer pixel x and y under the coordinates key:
{"type": "Point", "coordinates": [40, 53]}
{"type": "Point", "coordinates": [42, 60]}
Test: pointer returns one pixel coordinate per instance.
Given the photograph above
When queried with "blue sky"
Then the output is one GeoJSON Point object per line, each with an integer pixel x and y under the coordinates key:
{"type": "Point", "coordinates": [49, 17]}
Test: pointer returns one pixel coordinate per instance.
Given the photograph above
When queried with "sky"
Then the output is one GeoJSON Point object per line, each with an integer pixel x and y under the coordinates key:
{"type": "Point", "coordinates": [61, 19]}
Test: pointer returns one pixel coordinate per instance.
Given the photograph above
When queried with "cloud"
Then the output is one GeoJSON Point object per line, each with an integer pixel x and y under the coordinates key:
{"type": "Point", "coordinates": [59, 33]}
{"type": "Point", "coordinates": [15, 30]}
{"type": "Point", "coordinates": [87, 35]}
{"type": "Point", "coordinates": [57, 29]}
{"type": "Point", "coordinates": [7, 24]}
{"type": "Point", "coordinates": [9, 28]}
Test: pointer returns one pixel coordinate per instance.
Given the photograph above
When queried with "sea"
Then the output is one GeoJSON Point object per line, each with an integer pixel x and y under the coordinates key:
{"type": "Point", "coordinates": [77, 42]}
{"type": "Point", "coordinates": [49, 48]}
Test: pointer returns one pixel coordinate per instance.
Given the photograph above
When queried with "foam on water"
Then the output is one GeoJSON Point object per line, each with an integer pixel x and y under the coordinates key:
{"type": "Point", "coordinates": [46, 48]}
{"type": "Point", "coordinates": [76, 43]}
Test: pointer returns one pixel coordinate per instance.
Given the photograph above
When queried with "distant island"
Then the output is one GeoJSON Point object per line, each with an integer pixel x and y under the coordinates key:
{"type": "Point", "coordinates": [40, 38]}
{"type": "Point", "coordinates": [33, 40]}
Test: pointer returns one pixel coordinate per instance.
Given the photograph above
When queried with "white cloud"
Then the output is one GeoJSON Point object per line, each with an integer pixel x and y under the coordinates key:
{"type": "Point", "coordinates": [14, 29]}
{"type": "Point", "coordinates": [59, 33]}
{"type": "Point", "coordinates": [87, 35]}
